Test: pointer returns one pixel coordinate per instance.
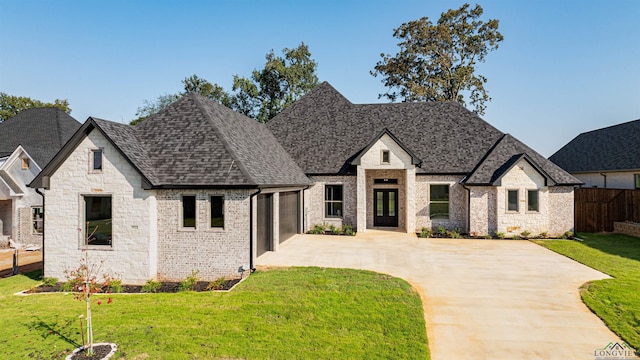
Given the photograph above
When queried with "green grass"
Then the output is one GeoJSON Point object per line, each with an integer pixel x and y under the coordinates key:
{"type": "Point", "coordinates": [616, 301]}
{"type": "Point", "coordinates": [296, 313]}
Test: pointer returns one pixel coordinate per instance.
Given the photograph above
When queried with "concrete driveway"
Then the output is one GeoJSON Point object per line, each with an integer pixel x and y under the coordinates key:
{"type": "Point", "coordinates": [483, 299]}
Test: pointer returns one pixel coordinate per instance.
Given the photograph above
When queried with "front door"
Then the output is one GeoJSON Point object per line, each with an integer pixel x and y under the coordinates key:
{"type": "Point", "coordinates": [385, 207]}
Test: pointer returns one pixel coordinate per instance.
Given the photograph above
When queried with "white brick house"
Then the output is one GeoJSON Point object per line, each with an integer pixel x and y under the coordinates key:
{"type": "Point", "coordinates": [198, 187]}
{"type": "Point", "coordinates": [182, 191]}
{"type": "Point", "coordinates": [412, 165]}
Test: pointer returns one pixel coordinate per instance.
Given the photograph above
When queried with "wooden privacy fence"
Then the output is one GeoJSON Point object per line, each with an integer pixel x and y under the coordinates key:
{"type": "Point", "coordinates": [597, 209]}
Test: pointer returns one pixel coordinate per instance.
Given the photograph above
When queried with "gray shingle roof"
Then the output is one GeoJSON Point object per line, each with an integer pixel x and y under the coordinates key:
{"type": "Point", "coordinates": [196, 142]}
{"type": "Point", "coordinates": [612, 148]}
{"type": "Point", "coordinates": [324, 132]}
{"type": "Point", "coordinates": [40, 131]}
{"type": "Point", "coordinates": [505, 153]}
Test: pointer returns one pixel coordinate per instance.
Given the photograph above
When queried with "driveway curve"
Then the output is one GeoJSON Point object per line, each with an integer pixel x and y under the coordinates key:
{"type": "Point", "coordinates": [482, 299]}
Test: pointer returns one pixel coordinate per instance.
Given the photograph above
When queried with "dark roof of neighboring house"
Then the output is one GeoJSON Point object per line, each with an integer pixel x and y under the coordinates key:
{"type": "Point", "coordinates": [324, 133]}
{"type": "Point", "coordinates": [195, 142]}
{"type": "Point", "coordinates": [612, 148]}
{"type": "Point", "coordinates": [40, 131]}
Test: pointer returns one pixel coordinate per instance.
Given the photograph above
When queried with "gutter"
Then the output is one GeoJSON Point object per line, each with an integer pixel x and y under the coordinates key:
{"type": "Point", "coordinates": [468, 207]}
{"type": "Point", "coordinates": [251, 267]}
{"type": "Point", "coordinates": [43, 228]}
{"type": "Point", "coordinates": [605, 179]}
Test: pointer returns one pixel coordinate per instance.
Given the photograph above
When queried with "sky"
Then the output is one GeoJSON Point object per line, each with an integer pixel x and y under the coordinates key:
{"type": "Point", "coordinates": [564, 67]}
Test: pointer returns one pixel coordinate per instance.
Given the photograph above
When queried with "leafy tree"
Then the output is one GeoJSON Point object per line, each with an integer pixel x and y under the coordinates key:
{"type": "Point", "coordinates": [10, 105]}
{"type": "Point", "coordinates": [437, 62]}
{"type": "Point", "coordinates": [152, 107]}
{"type": "Point", "coordinates": [282, 81]}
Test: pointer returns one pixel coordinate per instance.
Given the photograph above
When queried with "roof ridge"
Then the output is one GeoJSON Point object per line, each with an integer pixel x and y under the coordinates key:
{"type": "Point", "coordinates": [200, 103]}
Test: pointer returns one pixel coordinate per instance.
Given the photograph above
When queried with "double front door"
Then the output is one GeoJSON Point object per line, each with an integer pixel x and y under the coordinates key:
{"type": "Point", "coordinates": [385, 207]}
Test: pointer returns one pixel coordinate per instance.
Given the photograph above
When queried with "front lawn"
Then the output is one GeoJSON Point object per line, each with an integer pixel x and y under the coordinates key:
{"type": "Point", "coordinates": [617, 300]}
{"type": "Point", "coordinates": [296, 313]}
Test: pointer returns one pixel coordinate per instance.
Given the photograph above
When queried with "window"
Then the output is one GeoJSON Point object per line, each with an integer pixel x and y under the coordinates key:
{"type": "Point", "coordinates": [37, 217]}
{"type": "Point", "coordinates": [217, 211]}
{"type": "Point", "coordinates": [439, 201]}
{"type": "Point", "coordinates": [333, 201]}
{"type": "Point", "coordinates": [96, 160]}
{"type": "Point", "coordinates": [385, 156]}
{"type": "Point", "coordinates": [189, 211]}
{"type": "Point", "coordinates": [637, 180]}
{"type": "Point", "coordinates": [97, 217]}
{"type": "Point", "coordinates": [512, 200]}
{"type": "Point", "coordinates": [532, 200]}
{"type": "Point", "coordinates": [25, 163]}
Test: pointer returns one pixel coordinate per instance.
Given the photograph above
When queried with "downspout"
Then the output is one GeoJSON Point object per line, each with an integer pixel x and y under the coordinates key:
{"type": "Point", "coordinates": [251, 267]}
{"type": "Point", "coordinates": [468, 208]}
{"type": "Point", "coordinates": [605, 179]}
{"type": "Point", "coordinates": [43, 228]}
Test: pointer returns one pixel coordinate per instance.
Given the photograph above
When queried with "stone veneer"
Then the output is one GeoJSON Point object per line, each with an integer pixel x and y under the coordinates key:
{"type": "Point", "coordinates": [132, 255]}
{"type": "Point", "coordinates": [26, 234]}
{"type": "Point", "coordinates": [214, 252]}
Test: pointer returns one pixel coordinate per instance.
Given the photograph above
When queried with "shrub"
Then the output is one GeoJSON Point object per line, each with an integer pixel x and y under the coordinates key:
{"type": "Point", "coordinates": [525, 234]}
{"type": "Point", "coordinates": [567, 235]}
{"type": "Point", "coordinates": [151, 286]}
{"type": "Point", "coordinates": [217, 284]}
{"type": "Point", "coordinates": [347, 229]}
{"type": "Point", "coordinates": [425, 232]}
{"type": "Point", "coordinates": [335, 230]}
{"type": "Point", "coordinates": [442, 230]}
{"type": "Point", "coordinates": [66, 286]}
{"type": "Point", "coordinates": [487, 236]}
{"type": "Point", "coordinates": [543, 235]}
{"type": "Point", "coordinates": [49, 281]}
{"type": "Point", "coordinates": [115, 286]}
{"type": "Point", "coordinates": [189, 283]}
{"type": "Point", "coordinates": [318, 229]}
{"type": "Point", "coordinates": [454, 234]}
{"type": "Point", "coordinates": [499, 235]}
{"type": "Point", "coordinates": [516, 237]}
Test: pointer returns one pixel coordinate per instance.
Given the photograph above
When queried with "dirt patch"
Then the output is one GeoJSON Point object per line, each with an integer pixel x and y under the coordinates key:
{"type": "Point", "coordinates": [27, 261]}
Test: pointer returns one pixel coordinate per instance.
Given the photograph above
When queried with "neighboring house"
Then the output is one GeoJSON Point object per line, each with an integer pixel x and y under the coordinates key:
{"type": "Point", "coordinates": [413, 165]}
{"type": "Point", "coordinates": [195, 187]}
{"type": "Point", "coordinates": [604, 158]}
{"type": "Point", "coordinates": [27, 142]}
{"type": "Point", "coordinates": [198, 187]}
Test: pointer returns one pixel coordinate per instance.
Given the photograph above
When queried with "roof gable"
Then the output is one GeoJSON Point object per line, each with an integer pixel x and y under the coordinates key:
{"type": "Point", "coordinates": [505, 154]}
{"type": "Point", "coordinates": [195, 142]}
{"type": "Point", "coordinates": [414, 159]}
{"type": "Point", "coordinates": [611, 148]}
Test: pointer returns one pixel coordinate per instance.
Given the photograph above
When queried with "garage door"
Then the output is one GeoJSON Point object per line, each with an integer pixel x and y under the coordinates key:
{"type": "Point", "coordinates": [264, 223]}
{"type": "Point", "coordinates": [289, 214]}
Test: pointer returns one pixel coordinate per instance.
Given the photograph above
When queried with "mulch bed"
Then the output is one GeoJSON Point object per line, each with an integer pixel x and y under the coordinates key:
{"type": "Point", "coordinates": [165, 287]}
{"type": "Point", "coordinates": [99, 352]}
